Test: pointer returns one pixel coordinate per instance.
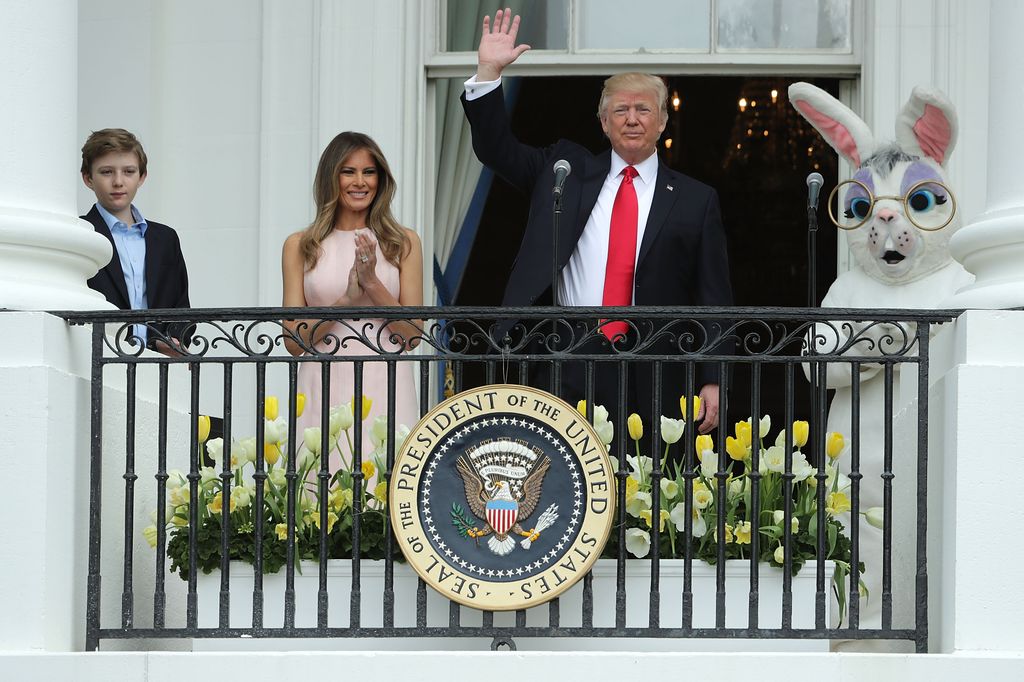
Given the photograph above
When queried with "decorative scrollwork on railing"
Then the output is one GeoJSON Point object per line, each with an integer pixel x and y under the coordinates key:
{"type": "Point", "coordinates": [567, 336]}
{"type": "Point", "coordinates": [875, 338]}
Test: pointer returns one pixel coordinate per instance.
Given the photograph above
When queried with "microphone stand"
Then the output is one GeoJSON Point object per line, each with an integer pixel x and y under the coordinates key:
{"type": "Point", "coordinates": [557, 213]}
{"type": "Point", "coordinates": [812, 301]}
{"type": "Point", "coordinates": [812, 256]}
{"type": "Point", "coordinates": [556, 367]}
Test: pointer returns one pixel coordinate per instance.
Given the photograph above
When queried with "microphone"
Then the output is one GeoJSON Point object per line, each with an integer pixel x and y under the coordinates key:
{"type": "Point", "coordinates": [814, 182]}
{"type": "Point", "coordinates": [562, 170]}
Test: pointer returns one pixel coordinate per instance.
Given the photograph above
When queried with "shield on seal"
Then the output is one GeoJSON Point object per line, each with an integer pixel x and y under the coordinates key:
{"type": "Point", "coordinates": [502, 515]}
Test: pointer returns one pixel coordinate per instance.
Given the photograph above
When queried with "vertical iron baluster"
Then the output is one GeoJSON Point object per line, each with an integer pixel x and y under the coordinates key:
{"type": "Point", "coordinates": [620, 432]}
{"type": "Point", "coordinates": [722, 476]}
{"type": "Point", "coordinates": [322, 478]}
{"type": "Point", "coordinates": [129, 476]}
{"type": "Point", "coordinates": [820, 402]}
{"type": "Point", "coordinates": [291, 480]}
{"type": "Point", "coordinates": [654, 605]}
{"type": "Point", "coordinates": [690, 464]}
{"type": "Point", "coordinates": [389, 566]}
{"type": "Point", "coordinates": [259, 478]}
{"type": "Point", "coordinates": [159, 593]}
{"type": "Point", "coordinates": [357, 493]}
{"type": "Point", "coordinates": [753, 514]}
{"type": "Point", "coordinates": [921, 592]}
{"type": "Point", "coordinates": [421, 587]}
{"type": "Point", "coordinates": [192, 600]}
{"type": "Point", "coordinates": [787, 500]}
{"type": "Point", "coordinates": [92, 608]}
{"type": "Point", "coordinates": [226, 476]}
{"type": "Point", "coordinates": [620, 595]}
{"type": "Point", "coordinates": [855, 480]}
{"type": "Point", "coordinates": [887, 477]}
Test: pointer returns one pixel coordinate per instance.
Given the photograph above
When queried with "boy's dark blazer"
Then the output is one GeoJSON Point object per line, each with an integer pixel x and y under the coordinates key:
{"type": "Point", "coordinates": [166, 276]}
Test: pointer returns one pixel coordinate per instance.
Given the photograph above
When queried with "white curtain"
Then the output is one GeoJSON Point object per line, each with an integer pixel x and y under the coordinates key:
{"type": "Point", "coordinates": [456, 167]}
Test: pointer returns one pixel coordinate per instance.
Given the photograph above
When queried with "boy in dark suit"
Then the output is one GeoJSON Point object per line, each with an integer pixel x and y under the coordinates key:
{"type": "Point", "coordinates": [147, 269]}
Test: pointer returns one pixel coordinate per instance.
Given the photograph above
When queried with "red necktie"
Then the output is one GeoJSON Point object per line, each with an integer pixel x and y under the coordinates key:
{"type": "Point", "coordinates": [618, 274]}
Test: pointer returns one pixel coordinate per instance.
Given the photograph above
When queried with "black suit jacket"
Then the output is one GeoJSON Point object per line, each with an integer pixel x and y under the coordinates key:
{"type": "Point", "coordinates": [682, 260]}
{"type": "Point", "coordinates": [166, 275]}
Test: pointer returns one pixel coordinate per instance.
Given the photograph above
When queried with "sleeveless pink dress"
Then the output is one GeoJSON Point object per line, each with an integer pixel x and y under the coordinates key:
{"type": "Point", "coordinates": [323, 285]}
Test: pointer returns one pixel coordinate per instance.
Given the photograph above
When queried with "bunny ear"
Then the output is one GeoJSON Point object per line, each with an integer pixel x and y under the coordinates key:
{"type": "Point", "coordinates": [840, 127]}
{"type": "Point", "coordinates": [927, 125]}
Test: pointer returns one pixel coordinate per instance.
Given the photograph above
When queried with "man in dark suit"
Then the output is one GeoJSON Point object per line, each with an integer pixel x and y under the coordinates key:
{"type": "Point", "coordinates": [147, 269]}
{"type": "Point", "coordinates": [632, 231]}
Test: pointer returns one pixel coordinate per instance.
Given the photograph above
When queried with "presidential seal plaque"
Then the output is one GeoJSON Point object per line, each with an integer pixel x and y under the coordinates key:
{"type": "Point", "coordinates": [502, 497]}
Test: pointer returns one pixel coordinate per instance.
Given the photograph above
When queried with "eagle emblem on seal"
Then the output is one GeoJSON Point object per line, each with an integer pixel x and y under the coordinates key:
{"type": "Point", "coordinates": [503, 480]}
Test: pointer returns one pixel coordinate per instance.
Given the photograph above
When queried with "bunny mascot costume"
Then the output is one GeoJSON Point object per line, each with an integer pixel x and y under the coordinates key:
{"type": "Point", "coordinates": [899, 216]}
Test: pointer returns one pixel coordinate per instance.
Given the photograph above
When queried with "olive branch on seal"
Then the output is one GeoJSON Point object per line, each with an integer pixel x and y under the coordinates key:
{"type": "Point", "coordinates": [462, 521]}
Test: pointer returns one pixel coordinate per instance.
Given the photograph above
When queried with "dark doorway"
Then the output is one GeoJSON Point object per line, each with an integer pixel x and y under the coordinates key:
{"type": "Point", "coordinates": [739, 135]}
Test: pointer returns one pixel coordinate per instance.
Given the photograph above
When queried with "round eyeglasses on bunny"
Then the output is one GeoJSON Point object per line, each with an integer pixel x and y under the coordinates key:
{"type": "Point", "coordinates": [929, 205]}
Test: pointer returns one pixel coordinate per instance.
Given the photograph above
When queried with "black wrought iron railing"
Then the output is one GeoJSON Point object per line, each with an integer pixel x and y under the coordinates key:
{"type": "Point", "coordinates": [265, 494]}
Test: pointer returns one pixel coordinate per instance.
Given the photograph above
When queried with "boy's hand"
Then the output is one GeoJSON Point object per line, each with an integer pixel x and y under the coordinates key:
{"type": "Point", "coordinates": [171, 350]}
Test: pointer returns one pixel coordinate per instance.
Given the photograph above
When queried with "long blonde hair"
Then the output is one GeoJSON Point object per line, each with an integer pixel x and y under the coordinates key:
{"type": "Point", "coordinates": [393, 241]}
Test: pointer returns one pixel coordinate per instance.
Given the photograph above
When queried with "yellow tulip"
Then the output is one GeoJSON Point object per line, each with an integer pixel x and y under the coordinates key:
{"type": "Point", "coordinates": [705, 442]}
{"type": "Point", "coordinates": [331, 518]}
{"type": "Point", "coordinates": [682, 407]}
{"type": "Point", "coordinates": [736, 449]}
{"type": "Point", "coordinates": [270, 407]}
{"type": "Point", "coordinates": [282, 531]}
{"type": "Point", "coordinates": [300, 404]}
{"type": "Point", "coordinates": [834, 444]}
{"type": "Point", "coordinates": [647, 515]}
{"type": "Point", "coordinates": [367, 404]}
{"type": "Point", "coordinates": [380, 492]}
{"type": "Point", "coordinates": [636, 426]}
{"type": "Point", "coordinates": [271, 453]}
{"type": "Point", "coordinates": [743, 532]}
{"type": "Point", "coordinates": [204, 428]}
{"type": "Point", "coordinates": [217, 505]}
{"type": "Point", "coordinates": [800, 432]}
{"type": "Point", "coordinates": [743, 433]}
{"type": "Point", "coordinates": [149, 532]}
{"type": "Point", "coordinates": [632, 488]}
{"type": "Point", "coordinates": [368, 469]}
{"type": "Point", "coordinates": [581, 407]}
{"type": "Point", "coordinates": [837, 503]}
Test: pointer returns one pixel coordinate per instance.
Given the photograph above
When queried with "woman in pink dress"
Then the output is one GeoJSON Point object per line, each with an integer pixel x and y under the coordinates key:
{"type": "Point", "coordinates": [354, 254]}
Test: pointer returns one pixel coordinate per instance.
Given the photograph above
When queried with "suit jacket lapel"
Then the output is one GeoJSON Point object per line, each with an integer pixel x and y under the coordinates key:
{"type": "Point", "coordinates": [113, 268]}
{"type": "Point", "coordinates": [152, 267]}
{"type": "Point", "coordinates": [666, 193]}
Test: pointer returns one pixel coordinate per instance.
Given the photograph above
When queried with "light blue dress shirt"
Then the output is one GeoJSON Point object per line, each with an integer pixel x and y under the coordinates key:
{"type": "Point", "coordinates": [130, 243]}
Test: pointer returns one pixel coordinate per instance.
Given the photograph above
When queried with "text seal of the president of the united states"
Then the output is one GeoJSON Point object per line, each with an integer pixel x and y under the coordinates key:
{"type": "Point", "coordinates": [502, 497]}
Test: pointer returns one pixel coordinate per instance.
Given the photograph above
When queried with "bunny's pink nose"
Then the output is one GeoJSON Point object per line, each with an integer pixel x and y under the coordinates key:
{"type": "Point", "coordinates": [887, 215]}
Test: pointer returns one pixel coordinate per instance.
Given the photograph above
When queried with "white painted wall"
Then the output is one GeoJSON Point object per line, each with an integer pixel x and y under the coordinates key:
{"type": "Point", "coordinates": [234, 100]}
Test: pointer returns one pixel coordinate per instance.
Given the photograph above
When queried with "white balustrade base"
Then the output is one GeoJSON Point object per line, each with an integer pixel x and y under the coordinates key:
{"type": "Point", "coordinates": [339, 579]}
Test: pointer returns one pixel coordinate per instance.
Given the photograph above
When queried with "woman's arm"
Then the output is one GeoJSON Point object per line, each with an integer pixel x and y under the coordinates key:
{"type": "Point", "coordinates": [410, 280]}
{"type": "Point", "coordinates": [293, 268]}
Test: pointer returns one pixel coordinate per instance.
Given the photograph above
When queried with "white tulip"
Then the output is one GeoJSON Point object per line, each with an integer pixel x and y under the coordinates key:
{"type": "Point", "coordinates": [379, 430]}
{"type": "Point", "coordinates": [638, 542]}
{"type": "Point", "coordinates": [671, 429]}
{"type": "Point", "coordinates": [340, 418]}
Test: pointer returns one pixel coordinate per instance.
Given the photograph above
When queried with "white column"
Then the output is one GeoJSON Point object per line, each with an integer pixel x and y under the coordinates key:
{"type": "Point", "coordinates": [992, 247]}
{"type": "Point", "coordinates": [975, 568]}
{"type": "Point", "coordinates": [46, 252]}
